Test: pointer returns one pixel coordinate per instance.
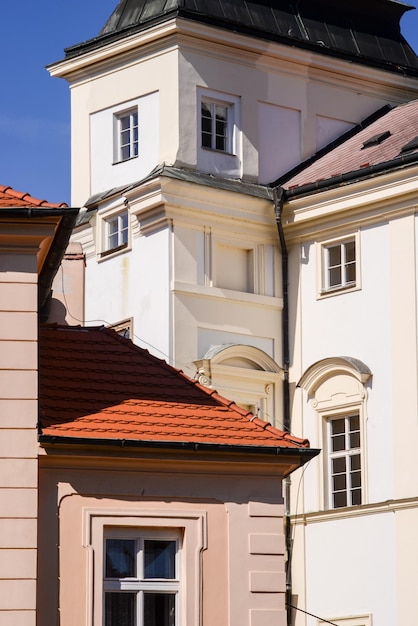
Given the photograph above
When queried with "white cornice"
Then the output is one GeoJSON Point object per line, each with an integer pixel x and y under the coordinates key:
{"type": "Point", "coordinates": [351, 205]}
{"type": "Point", "coordinates": [249, 49]}
{"type": "Point", "coordinates": [390, 506]}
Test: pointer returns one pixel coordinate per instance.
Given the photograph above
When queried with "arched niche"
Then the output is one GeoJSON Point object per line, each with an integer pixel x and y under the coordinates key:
{"type": "Point", "coordinates": [246, 375]}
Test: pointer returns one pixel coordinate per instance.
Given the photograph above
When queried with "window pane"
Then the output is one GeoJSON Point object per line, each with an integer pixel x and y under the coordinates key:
{"type": "Point", "coordinates": [338, 443]}
{"type": "Point", "coordinates": [125, 123]}
{"type": "Point", "coordinates": [338, 465]}
{"type": "Point", "coordinates": [120, 558]}
{"type": "Point", "coordinates": [356, 480]}
{"type": "Point", "coordinates": [159, 559]}
{"type": "Point", "coordinates": [354, 440]}
{"type": "Point", "coordinates": [334, 276]}
{"type": "Point", "coordinates": [334, 256]}
{"type": "Point", "coordinates": [350, 273]}
{"type": "Point", "coordinates": [340, 499]}
{"type": "Point", "coordinates": [337, 426]}
{"type": "Point", "coordinates": [356, 497]}
{"type": "Point", "coordinates": [159, 609]}
{"type": "Point", "coordinates": [350, 251]}
{"type": "Point", "coordinates": [339, 482]}
{"type": "Point", "coordinates": [355, 462]}
{"type": "Point", "coordinates": [120, 609]}
{"type": "Point", "coordinates": [354, 422]}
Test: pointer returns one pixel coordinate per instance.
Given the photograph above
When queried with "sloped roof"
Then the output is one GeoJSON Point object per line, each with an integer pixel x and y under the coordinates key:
{"type": "Point", "coordinates": [96, 385]}
{"type": "Point", "coordinates": [389, 142]}
{"type": "Point", "coordinates": [365, 30]}
{"type": "Point", "coordinates": [11, 198]}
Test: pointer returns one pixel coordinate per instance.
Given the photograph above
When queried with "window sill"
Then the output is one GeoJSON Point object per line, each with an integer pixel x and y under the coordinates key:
{"type": "Point", "coordinates": [125, 160]}
{"type": "Point", "coordinates": [335, 291]}
{"type": "Point", "coordinates": [113, 251]}
{"type": "Point", "coordinates": [225, 152]}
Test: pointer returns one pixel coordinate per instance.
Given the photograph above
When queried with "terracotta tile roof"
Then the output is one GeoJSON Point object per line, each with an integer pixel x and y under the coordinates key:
{"type": "Point", "coordinates": [383, 141]}
{"type": "Point", "coordinates": [9, 198]}
{"type": "Point", "coordinates": [95, 384]}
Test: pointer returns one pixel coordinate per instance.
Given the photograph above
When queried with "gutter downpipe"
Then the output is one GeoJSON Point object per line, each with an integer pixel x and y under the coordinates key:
{"type": "Point", "coordinates": [278, 197]}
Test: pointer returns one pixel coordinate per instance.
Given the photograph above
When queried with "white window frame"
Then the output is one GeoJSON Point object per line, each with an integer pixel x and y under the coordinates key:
{"type": "Point", "coordinates": [336, 387]}
{"type": "Point", "coordinates": [232, 104]}
{"type": "Point", "coordinates": [121, 233]}
{"type": "Point", "coordinates": [139, 584]}
{"type": "Point", "coordinates": [348, 453]}
{"type": "Point", "coordinates": [126, 138]}
{"type": "Point", "coordinates": [326, 286]}
{"type": "Point", "coordinates": [215, 106]}
{"type": "Point", "coordinates": [189, 527]}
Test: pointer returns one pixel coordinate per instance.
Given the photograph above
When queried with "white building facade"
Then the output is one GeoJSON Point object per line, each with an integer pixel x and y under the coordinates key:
{"type": "Point", "coordinates": [180, 122]}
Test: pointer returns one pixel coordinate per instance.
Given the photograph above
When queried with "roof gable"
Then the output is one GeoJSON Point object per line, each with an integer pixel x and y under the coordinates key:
{"type": "Point", "coordinates": [96, 385]}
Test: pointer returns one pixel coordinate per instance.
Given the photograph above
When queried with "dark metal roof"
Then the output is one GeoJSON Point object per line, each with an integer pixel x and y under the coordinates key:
{"type": "Point", "coordinates": [191, 176]}
{"type": "Point", "coordinates": [367, 31]}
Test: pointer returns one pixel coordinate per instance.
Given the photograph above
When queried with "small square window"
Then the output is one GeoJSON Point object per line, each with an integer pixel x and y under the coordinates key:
{"type": "Point", "coordinates": [216, 125]}
{"type": "Point", "coordinates": [339, 265]}
{"type": "Point", "coordinates": [344, 459]}
{"type": "Point", "coordinates": [127, 135]}
{"type": "Point", "coordinates": [117, 231]}
{"type": "Point", "coordinates": [140, 581]}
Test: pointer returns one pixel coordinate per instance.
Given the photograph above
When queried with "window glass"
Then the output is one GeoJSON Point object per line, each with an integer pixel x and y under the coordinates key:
{"type": "Point", "coordinates": [345, 461]}
{"type": "Point", "coordinates": [128, 135]}
{"type": "Point", "coordinates": [159, 609]}
{"type": "Point", "coordinates": [120, 558]}
{"type": "Point", "coordinates": [215, 122]}
{"type": "Point", "coordinates": [159, 559]}
{"type": "Point", "coordinates": [340, 265]}
{"type": "Point", "coordinates": [120, 609]}
{"type": "Point", "coordinates": [117, 230]}
{"type": "Point", "coordinates": [140, 585]}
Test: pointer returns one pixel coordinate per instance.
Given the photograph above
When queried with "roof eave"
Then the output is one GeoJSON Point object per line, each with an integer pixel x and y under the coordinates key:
{"type": "Point", "coordinates": [103, 40]}
{"type": "Point", "coordinates": [354, 176]}
{"type": "Point", "coordinates": [302, 454]}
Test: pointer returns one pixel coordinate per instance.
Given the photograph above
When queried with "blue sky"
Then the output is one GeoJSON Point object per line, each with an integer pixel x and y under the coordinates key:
{"type": "Point", "coordinates": [35, 108]}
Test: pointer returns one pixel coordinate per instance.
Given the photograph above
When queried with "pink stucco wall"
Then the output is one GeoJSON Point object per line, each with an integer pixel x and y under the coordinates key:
{"type": "Point", "coordinates": [229, 511]}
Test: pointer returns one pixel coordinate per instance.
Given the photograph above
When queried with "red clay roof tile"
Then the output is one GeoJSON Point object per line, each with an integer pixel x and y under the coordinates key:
{"type": "Point", "coordinates": [11, 198]}
{"type": "Point", "coordinates": [95, 384]}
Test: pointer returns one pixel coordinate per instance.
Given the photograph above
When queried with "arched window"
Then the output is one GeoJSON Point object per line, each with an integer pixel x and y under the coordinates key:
{"type": "Point", "coordinates": [337, 392]}
{"type": "Point", "coordinates": [246, 375]}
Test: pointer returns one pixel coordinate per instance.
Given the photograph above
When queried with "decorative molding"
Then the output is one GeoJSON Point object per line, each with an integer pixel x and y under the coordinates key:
{"type": "Point", "coordinates": [332, 366]}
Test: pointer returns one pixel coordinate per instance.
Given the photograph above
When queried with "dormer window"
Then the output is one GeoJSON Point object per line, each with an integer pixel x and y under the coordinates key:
{"type": "Point", "coordinates": [127, 137]}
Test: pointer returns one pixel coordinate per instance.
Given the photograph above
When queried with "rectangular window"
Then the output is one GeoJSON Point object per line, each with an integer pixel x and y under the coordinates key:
{"type": "Point", "coordinates": [216, 125]}
{"type": "Point", "coordinates": [141, 583]}
{"type": "Point", "coordinates": [344, 461]}
{"type": "Point", "coordinates": [127, 135]}
{"type": "Point", "coordinates": [117, 231]}
{"type": "Point", "coordinates": [340, 265]}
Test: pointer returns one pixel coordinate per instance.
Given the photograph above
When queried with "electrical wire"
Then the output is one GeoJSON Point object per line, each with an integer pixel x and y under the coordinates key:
{"type": "Point", "coordinates": [106, 323]}
{"type": "Point", "coordinates": [325, 621]}
{"type": "Point", "coordinates": [270, 418]}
